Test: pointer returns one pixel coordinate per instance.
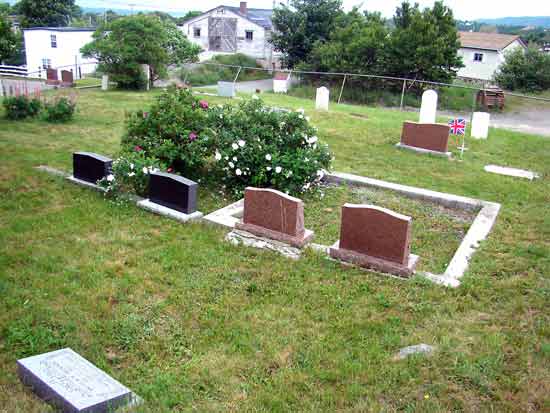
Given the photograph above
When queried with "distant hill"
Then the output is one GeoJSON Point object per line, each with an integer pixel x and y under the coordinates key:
{"type": "Point", "coordinates": [541, 21]}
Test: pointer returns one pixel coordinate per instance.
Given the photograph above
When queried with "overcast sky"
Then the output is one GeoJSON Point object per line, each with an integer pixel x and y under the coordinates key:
{"type": "Point", "coordinates": [464, 9]}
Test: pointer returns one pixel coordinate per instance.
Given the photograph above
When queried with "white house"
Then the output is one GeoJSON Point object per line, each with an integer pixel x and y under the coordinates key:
{"type": "Point", "coordinates": [483, 53]}
{"type": "Point", "coordinates": [57, 47]}
{"type": "Point", "coordinates": [227, 29]}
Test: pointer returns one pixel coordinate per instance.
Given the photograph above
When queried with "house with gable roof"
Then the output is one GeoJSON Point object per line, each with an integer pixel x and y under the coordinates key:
{"type": "Point", "coordinates": [226, 30]}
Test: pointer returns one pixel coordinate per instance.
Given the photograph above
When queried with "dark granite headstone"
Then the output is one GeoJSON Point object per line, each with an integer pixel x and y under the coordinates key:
{"type": "Point", "coordinates": [173, 191]}
{"type": "Point", "coordinates": [73, 384]}
{"type": "Point", "coordinates": [91, 167]}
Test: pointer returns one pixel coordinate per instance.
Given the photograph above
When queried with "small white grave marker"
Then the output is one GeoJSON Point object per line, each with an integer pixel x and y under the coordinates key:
{"type": "Point", "coordinates": [428, 110]}
{"type": "Point", "coordinates": [69, 381]}
{"type": "Point", "coordinates": [516, 173]}
{"type": "Point", "coordinates": [322, 98]}
{"type": "Point", "coordinates": [105, 82]}
{"type": "Point", "coordinates": [480, 125]}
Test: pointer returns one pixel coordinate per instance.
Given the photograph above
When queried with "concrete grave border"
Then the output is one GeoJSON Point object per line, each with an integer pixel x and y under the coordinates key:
{"type": "Point", "coordinates": [422, 150]}
{"type": "Point", "coordinates": [478, 231]}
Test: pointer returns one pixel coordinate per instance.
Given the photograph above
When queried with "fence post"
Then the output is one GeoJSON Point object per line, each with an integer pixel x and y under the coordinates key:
{"type": "Point", "coordinates": [474, 105]}
{"type": "Point", "coordinates": [342, 88]}
{"type": "Point", "coordinates": [403, 95]}
{"type": "Point", "coordinates": [238, 73]}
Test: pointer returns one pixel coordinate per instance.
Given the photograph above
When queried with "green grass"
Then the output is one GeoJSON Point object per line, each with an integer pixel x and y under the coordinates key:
{"type": "Point", "coordinates": [192, 323]}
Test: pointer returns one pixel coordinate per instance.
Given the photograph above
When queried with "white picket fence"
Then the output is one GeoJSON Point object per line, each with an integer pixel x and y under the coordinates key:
{"type": "Point", "coordinates": [19, 71]}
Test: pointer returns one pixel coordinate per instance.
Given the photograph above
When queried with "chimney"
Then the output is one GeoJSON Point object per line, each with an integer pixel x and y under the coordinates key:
{"type": "Point", "coordinates": [243, 7]}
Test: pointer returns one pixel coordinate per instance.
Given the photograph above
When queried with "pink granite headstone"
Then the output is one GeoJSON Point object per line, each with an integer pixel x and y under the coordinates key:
{"type": "Point", "coordinates": [376, 238]}
{"type": "Point", "coordinates": [273, 214]}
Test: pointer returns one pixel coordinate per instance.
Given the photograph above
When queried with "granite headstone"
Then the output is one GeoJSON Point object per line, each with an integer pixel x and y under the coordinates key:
{"type": "Point", "coordinates": [73, 384]}
{"type": "Point", "coordinates": [67, 78]}
{"type": "Point", "coordinates": [173, 191]}
{"type": "Point", "coordinates": [91, 167]}
{"type": "Point", "coordinates": [375, 237]}
{"type": "Point", "coordinates": [430, 136]}
{"type": "Point", "coordinates": [273, 214]}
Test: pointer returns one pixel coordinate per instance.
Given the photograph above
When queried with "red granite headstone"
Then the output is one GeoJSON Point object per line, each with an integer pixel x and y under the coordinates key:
{"type": "Point", "coordinates": [67, 77]}
{"type": "Point", "coordinates": [430, 136]}
{"type": "Point", "coordinates": [377, 238]}
{"type": "Point", "coordinates": [273, 214]}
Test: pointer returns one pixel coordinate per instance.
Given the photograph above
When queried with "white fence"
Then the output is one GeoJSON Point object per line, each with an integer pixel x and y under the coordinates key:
{"type": "Point", "coordinates": [20, 71]}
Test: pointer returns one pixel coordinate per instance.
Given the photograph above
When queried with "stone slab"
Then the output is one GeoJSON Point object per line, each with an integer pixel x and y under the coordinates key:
{"type": "Point", "coordinates": [168, 212]}
{"type": "Point", "coordinates": [431, 136]}
{"type": "Point", "coordinates": [374, 263]}
{"type": "Point", "coordinates": [238, 237]}
{"type": "Point", "coordinates": [73, 384]}
{"type": "Point", "coordinates": [86, 184]}
{"type": "Point", "coordinates": [514, 172]}
{"type": "Point", "coordinates": [227, 216]}
{"type": "Point", "coordinates": [295, 241]}
{"type": "Point", "coordinates": [425, 151]}
{"type": "Point", "coordinates": [422, 348]}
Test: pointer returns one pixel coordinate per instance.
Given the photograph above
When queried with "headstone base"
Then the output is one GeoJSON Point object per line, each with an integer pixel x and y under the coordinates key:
{"type": "Point", "coordinates": [238, 237]}
{"type": "Point", "coordinates": [378, 264]}
{"type": "Point", "coordinates": [168, 212]}
{"type": "Point", "coordinates": [422, 150]}
{"type": "Point", "coordinates": [86, 183]}
{"type": "Point", "coordinates": [516, 173]}
{"type": "Point", "coordinates": [298, 242]}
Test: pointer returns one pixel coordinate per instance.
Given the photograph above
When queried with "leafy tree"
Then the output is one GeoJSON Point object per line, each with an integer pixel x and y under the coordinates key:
{"type": "Point", "coordinates": [51, 13]}
{"type": "Point", "coordinates": [128, 42]}
{"type": "Point", "coordinates": [9, 40]}
{"type": "Point", "coordinates": [299, 27]}
{"type": "Point", "coordinates": [424, 43]}
{"type": "Point", "coordinates": [357, 44]}
{"type": "Point", "coordinates": [5, 8]}
{"type": "Point", "coordinates": [188, 16]}
{"type": "Point", "coordinates": [527, 71]}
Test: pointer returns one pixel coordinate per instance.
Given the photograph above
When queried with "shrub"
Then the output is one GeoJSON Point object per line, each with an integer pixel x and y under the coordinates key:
{"type": "Point", "coordinates": [175, 131]}
{"type": "Point", "coordinates": [21, 107]}
{"type": "Point", "coordinates": [259, 146]}
{"type": "Point", "coordinates": [527, 71]}
{"type": "Point", "coordinates": [60, 109]}
{"type": "Point", "coordinates": [130, 173]}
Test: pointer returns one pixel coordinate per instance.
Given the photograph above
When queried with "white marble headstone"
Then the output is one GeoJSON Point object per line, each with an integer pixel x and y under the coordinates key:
{"type": "Point", "coordinates": [226, 89]}
{"type": "Point", "coordinates": [69, 381]}
{"type": "Point", "coordinates": [428, 110]}
{"type": "Point", "coordinates": [322, 98]}
{"type": "Point", "coordinates": [105, 82]}
{"type": "Point", "coordinates": [480, 125]}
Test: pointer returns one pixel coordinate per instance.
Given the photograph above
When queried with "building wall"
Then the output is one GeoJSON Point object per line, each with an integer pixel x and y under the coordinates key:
{"type": "Point", "coordinates": [258, 47]}
{"type": "Point", "coordinates": [486, 69]}
{"type": "Point", "coordinates": [38, 47]}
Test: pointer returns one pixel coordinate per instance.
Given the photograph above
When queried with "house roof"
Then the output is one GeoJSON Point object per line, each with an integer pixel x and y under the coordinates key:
{"type": "Point", "coordinates": [261, 17]}
{"type": "Point", "coordinates": [63, 29]}
{"type": "Point", "coordinates": [487, 41]}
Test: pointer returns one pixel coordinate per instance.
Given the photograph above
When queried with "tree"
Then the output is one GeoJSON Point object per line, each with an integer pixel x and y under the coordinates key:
{"type": "Point", "coordinates": [49, 13]}
{"type": "Point", "coordinates": [9, 40]}
{"type": "Point", "coordinates": [188, 16]}
{"type": "Point", "coordinates": [128, 42]}
{"type": "Point", "coordinates": [299, 27]}
{"type": "Point", "coordinates": [424, 44]}
{"type": "Point", "coordinates": [527, 71]}
{"type": "Point", "coordinates": [357, 44]}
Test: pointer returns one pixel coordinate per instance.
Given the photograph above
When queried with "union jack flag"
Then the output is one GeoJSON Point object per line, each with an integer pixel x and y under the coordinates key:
{"type": "Point", "coordinates": [458, 126]}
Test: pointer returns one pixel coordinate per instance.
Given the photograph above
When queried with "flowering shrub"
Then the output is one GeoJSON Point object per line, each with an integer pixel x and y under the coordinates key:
{"type": "Point", "coordinates": [175, 131]}
{"type": "Point", "coordinates": [60, 109]}
{"type": "Point", "coordinates": [130, 173]}
{"type": "Point", "coordinates": [258, 146]}
{"type": "Point", "coordinates": [21, 107]}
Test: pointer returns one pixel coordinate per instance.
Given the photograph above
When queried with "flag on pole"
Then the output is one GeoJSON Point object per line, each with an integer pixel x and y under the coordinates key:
{"type": "Point", "coordinates": [458, 126]}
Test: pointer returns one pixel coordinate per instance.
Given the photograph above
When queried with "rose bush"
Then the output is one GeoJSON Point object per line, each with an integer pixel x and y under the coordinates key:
{"type": "Point", "coordinates": [249, 144]}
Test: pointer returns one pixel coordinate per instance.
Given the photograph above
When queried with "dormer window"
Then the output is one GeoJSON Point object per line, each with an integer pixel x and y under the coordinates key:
{"type": "Point", "coordinates": [53, 41]}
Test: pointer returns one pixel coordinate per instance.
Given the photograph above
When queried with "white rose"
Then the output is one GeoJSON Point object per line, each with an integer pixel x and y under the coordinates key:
{"type": "Point", "coordinates": [227, 158]}
{"type": "Point", "coordinates": [235, 146]}
{"type": "Point", "coordinates": [218, 156]}
{"type": "Point", "coordinates": [278, 169]}
{"type": "Point", "coordinates": [238, 172]}
{"type": "Point", "coordinates": [110, 178]}
{"type": "Point", "coordinates": [300, 110]}
{"type": "Point", "coordinates": [131, 174]}
{"type": "Point", "coordinates": [131, 166]}
{"type": "Point", "coordinates": [307, 118]}
{"type": "Point", "coordinates": [235, 158]}
{"type": "Point", "coordinates": [268, 157]}
{"type": "Point", "coordinates": [241, 143]}
{"type": "Point", "coordinates": [231, 164]}
{"type": "Point", "coordinates": [255, 97]}
{"type": "Point", "coordinates": [145, 170]}
{"type": "Point", "coordinates": [268, 168]}
{"type": "Point", "coordinates": [312, 140]}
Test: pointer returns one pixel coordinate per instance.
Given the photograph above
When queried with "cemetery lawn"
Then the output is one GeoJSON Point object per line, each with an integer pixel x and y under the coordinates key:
{"type": "Point", "coordinates": [191, 323]}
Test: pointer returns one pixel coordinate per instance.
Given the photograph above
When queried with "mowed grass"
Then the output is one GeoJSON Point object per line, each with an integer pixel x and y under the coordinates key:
{"type": "Point", "coordinates": [192, 323]}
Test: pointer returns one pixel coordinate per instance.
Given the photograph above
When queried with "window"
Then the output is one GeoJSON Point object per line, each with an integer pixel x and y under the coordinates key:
{"type": "Point", "coordinates": [53, 41]}
{"type": "Point", "coordinates": [478, 57]}
{"type": "Point", "coordinates": [197, 32]}
{"type": "Point", "coordinates": [249, 35]}
{"type": "Point", "coordinates": [46, 63]}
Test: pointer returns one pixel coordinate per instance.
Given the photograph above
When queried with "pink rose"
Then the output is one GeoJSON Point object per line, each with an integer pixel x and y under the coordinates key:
{"type": "Point", "coordinates": [145, 114]}
{"type": "Point", "coordinates": [138, 148]}
{"type": "Point", "coordinates": [169, 170]}
{"type": "Point", "coordinates": [192, 136]}
{"type": "Point", "coordinates": [203, 104]}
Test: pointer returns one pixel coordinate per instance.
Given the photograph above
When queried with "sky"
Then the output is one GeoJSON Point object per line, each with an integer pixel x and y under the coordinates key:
{"type": "Point", "coordinates": [463, 9]}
